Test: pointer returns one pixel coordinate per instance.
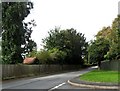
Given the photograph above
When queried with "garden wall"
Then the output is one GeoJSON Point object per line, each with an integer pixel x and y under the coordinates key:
{"type": "Point", "coordinates": [15, 71]}
{"type": "Point", "coordinates": [113, 65]}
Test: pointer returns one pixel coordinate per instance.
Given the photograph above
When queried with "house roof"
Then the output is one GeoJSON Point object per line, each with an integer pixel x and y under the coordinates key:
{"type": "Point", "coordinates": [29, 60]}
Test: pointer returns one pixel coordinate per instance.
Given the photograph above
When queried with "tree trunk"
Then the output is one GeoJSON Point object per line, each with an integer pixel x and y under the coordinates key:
{"type": "Point", "coordinates": [99, 65]}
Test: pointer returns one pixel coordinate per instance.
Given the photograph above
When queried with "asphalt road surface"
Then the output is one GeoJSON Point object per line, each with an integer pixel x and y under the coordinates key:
{"type": "Point", "coordinates": [48, 83]}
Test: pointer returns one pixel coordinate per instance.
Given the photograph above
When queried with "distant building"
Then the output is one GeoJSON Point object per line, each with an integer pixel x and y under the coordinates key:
{"type": "Point", "coordinates": [31, 60]}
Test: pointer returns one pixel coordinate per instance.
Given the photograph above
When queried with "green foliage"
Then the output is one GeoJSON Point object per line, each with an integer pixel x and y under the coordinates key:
{"type": "Point", "coordinates": [57, 56]}
{"type": "Point", "coordinates": [107, 43]}
{"type": "Point", "coordinates": [69, 41]}
{"type": "Point", "coordinates": [104, 33]}
{"type": "Point", "coordinates": [97, 50]}
{"type": "Point", "coordinates": [114, 50]}
{"type": "Point", "coordinates": [16, 41]}
{"type": "Point", "coordinates": [53, 56]}
{"type": "Point", "coordinates": [32, 54]}
{"type": "Point", "coordinates": [43, 56]}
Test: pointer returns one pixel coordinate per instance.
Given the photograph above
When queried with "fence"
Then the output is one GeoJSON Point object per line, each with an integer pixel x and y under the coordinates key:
{"type": "Point", "coordinates": [15, 71]}
{"type": "Point", "coordinates": [111, 65]}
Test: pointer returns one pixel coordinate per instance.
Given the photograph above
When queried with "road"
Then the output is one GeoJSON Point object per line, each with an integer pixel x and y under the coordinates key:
{"type": "Point", "coordinates": [47, 83]}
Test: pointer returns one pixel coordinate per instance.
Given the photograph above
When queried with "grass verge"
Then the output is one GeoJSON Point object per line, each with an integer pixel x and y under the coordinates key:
{"type": "Point", "coordinates": [101, 76]}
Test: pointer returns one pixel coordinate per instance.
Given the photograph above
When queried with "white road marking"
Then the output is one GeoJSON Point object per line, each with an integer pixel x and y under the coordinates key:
{"type": "Point", "coordinates": [57, 86]}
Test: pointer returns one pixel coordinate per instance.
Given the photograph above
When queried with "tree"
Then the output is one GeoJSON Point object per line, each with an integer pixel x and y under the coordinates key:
{"type": "Point", "coordinates": [97, 49]}
{"type": "Point", "coordinates": [107, 44]}
{"type": "Point", "coordinates": [114, 50]}
{"type": "Point", "coordinates": [68, 41]}
{"type": "Point", "coordinates": [15, 32]}
{"type": "Point", "coordinates": [104, 33]}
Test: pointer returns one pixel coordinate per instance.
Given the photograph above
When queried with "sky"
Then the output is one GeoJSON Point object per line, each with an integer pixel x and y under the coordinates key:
{"type": "Point", "coordinates": [86, 16]}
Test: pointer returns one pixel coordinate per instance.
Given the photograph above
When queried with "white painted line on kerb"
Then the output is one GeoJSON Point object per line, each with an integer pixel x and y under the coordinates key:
{"type": "Point", "coordinates": [57, 86]}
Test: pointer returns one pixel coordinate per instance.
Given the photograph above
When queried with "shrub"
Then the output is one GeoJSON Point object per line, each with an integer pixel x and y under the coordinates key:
{"type": "Point", "coordinates": [53, 56]}
{"type": "Point", "coordinates": [32, 54]}
{"type": "Point", "coordinates": [57, 56]}
{"type": "Point", "coordinates": [43, 56]}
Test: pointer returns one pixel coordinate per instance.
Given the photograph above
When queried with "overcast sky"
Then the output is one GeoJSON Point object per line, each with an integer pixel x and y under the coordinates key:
{"type": "Point", "coordinates": [86, 16]}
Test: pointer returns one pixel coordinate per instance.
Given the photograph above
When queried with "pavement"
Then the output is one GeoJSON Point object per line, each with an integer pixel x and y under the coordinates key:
{"type": "Point", "coordinates": [95, 85]}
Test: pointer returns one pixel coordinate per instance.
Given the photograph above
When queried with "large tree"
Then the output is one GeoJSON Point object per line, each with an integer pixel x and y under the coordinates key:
{"type": "Point", "coordinates": [107, 43]}
{"type": "Point", "coordinates": [104, 33]}
{"type": "Point", "coordinates": [15, 33]}
{"type": "Point", "coordinates": [69, 41]}
{"type": "Point", "coordinates": [114, 50]}
{"type": "Point", "coordinates": [97, 49]}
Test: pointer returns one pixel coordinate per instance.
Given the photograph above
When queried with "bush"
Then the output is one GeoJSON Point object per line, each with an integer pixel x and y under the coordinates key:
{"type": "Point", "coordinates": [57, 55]}
{"type": "Point", "coordinates": [53, 56]}
{"type": "Point", "coordinates": [43, 56]}
{"type": "Point", "coordinates": [32, 54]}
